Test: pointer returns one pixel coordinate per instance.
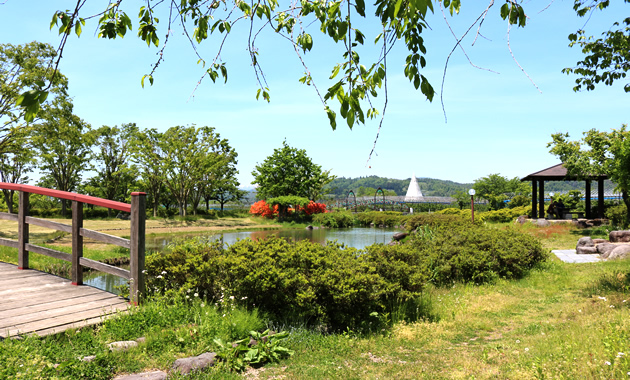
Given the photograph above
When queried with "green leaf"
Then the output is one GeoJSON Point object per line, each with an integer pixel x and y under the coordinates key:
{"type": "Point", "coordinates": [332, 118]}
{"type": "Point", "coordinates": [397, 8]}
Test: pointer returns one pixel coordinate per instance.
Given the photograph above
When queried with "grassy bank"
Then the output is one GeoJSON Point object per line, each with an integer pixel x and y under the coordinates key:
{"type": "Point", "coordinates": [564, 321]}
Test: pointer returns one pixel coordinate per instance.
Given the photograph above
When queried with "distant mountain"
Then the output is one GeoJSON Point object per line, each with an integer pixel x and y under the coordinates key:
{"type": "Point", "coordinates": [430, 187]}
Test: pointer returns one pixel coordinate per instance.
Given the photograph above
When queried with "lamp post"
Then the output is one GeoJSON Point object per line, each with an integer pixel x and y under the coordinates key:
{"type": "Point", "coordinates": [472, 203]}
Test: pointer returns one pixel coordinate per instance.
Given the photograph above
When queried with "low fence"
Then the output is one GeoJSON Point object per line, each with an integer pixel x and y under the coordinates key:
{"type": "Point", "coordinates": [135, 243]}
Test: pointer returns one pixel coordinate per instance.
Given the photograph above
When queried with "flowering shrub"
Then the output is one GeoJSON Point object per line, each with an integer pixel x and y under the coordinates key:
{"type": "Point", "coordinates": [315, 208]}
{"type": "Point", "coordinates": [261, 208]}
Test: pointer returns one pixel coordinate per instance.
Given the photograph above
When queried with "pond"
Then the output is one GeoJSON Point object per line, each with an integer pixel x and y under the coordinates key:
{"type": "Point", "coordinates": [353, 237]}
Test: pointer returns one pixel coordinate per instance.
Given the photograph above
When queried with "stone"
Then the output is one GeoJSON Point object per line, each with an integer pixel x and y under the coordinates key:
{"type": "Point", "coordinates": [309, 227]}
{"type": "Point", "coordinates": [187, 365]}
{"type": "Point", "coordinates": [88, 359]}
{"type": "Point", "coordinates": [399, 236]}
{"type": "Point", "coordinates": [153, 375]}
{"type": "Point", "coordinates": [619, 236]}
{"type": "Point", "coordinates": [141, 340]}
{"type": "Point", "coordinates": [542, 222]}
{"type": "Point", "coordinates": [521, 219]}
{"type": "Point", "coordinates": [605, 249]}
{"type": "Point", "coordinates": [586, 250]}
{"type": "Point", "coordinates": [122, 345]}
{"type": "Point", "coordinates": [585, 241]}
{"type": "Point", "coordinates": [621, 252]}
{"type": "Point", "coordinates": [599, 241]}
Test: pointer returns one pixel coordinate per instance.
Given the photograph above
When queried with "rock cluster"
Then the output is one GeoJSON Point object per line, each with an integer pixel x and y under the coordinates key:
{"type": "Point", "coordinates": [182, 366]}
{"type": "Point", "coordinates": [614, 248]}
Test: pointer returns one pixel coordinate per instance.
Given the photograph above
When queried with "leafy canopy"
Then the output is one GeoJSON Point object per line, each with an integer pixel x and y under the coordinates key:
{"type": "Point", "coordinates": [289, 171]}
{"type": "Point", "coordinates": [303, 24]}
{"type": "Point", "coordinates": [597, 153]}
{"type": "Point", "coordinates": [496, 189]}
{"type": "Point", "coordinates": [607, 59]}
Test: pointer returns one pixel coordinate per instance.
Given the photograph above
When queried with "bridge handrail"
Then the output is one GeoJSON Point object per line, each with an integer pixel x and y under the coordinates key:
{"type": "Point", "coordinates": [136, 242]}
{"type": "Point", "coordinates": [120, 206]}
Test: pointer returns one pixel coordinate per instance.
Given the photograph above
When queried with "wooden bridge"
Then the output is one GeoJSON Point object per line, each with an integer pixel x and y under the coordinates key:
{"type": "Point", "coordinates": [40, 303]}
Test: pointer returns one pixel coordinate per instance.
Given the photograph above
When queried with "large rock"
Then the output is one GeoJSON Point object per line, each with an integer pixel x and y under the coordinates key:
{"type": "Point", "coordinates": [123, 345]}
{"type": "Point", "coordinates": [542, 222]}
{"type": "Point", "coordinates": [187, 365]}
{"type": "Point", "coordinates": [619, 236]}
{"type": "Point", "coordinates": [605, 249]}
{"type": "Point", "coordinates": [153, 375]}
{"type": "Point", "coordinates": [621, 252]}
{"type": "Point", "coordinates": [521, 219]}
{"type": "Point", "coordinates": [399, 236]}
{"type": "Point", "coordinates": [585, 241]}
{"type": "Point", "coordinates": [585, 245]}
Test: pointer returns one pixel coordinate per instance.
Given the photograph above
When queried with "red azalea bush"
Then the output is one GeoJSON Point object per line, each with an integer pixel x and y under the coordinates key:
{"type": "Point", "coordinates": [315, 208]}
{"type": "Point", "coordinates": [261, 208]}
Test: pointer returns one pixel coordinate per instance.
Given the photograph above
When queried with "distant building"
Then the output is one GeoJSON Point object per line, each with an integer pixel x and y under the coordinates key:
{"type": "Point", "coordinates": [413, 192]}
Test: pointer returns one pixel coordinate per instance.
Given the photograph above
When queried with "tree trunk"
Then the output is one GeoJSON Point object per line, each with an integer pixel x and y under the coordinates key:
{"type": "Point", "coordinates": [8, 199]}
{"type": "Point", "coordinates": [63, 208]}
{"type": "Point", "coordinates": [626, 201]}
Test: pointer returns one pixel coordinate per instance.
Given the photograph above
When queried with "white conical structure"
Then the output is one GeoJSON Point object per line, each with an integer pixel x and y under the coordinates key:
{"type": "Point", "coordinates": [413, 192]}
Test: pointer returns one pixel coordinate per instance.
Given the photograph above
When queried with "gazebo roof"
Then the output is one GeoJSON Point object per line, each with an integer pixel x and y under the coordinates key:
{"type": "Point", "coordinates": [557, 173]}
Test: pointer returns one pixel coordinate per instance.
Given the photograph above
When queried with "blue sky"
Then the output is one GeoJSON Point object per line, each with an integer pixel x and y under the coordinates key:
{"type": "Point", "coordinates": [497, 122]}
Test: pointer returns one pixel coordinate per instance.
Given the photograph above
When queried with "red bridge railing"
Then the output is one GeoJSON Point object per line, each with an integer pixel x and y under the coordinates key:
{"type": "Point", "coordinates": [135, 243]}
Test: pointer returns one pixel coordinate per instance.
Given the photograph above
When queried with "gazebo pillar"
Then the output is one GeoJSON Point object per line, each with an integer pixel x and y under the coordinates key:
{"type": "Point", "coordinates": [541, 199]}
{"type": "Point", "coordinates": [600, 198]}
{"type": "Point", "coordinates": [534, 208]}
{"type": "Point", "coordinates": [587, 199]}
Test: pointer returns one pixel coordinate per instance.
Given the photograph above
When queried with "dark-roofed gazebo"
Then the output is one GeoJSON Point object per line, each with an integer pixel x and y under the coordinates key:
{"type": "Point", "coordinates": [559, 173]}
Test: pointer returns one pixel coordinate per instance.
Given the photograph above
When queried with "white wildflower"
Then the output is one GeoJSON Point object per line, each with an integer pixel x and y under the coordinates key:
{"type": "Point", "coordinates": [159, 276]}
{"type": "Point", "coordinates": [607, 362]}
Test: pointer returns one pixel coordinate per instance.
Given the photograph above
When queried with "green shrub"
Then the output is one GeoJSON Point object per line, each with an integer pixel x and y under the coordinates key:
{"type": "Point", "coordinates": [439, 218]}
{"type": "Point", "coordinates": [301, 281]}
{"type": "Point", "coordinates": [337, 219]}
{"type": "Point", "coordinates": [504, 215]}
{"type": "Point", "coordinates": [474, 253]}
{"type": "Point", "coordinates": [343, 287]}
{"type": "Point", "coordinates": [617, 216]}
{"type": "Point", "coordinates": [381, 218]}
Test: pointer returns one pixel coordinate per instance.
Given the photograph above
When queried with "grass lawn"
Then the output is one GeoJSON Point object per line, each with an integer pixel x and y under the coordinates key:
{"type": "Point", "coordinates": [562, 321]}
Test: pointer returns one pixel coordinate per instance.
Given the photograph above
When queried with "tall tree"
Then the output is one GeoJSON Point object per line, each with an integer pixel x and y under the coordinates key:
{"type": "Point", "coordinates": [219, 182]}
{"type": "Point", "coordinates": [497, 189]}
{"type": "Point", "coordinates": [111, 160]}
{"type": "Point", "coordinates": [63, 142]}
{"type": "Point", "coordinates": [16, 163]}
{"type": "Point", "coordinates": [191, 153]}
{"type": "Point", "coordinates": [289, 171]}
{"type": "Point", "coordinates": [147, 154]}
{"type": "Point", "coordinates": [595, 154]}
{"type": "Point", "coordinates": [23, 70]}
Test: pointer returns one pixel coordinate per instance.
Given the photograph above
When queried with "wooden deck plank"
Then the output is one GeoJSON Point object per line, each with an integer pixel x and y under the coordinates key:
{"type": "Point", "coordinates": [55, 322]}
{"type": "Point", "coordinates": [33, 302]}
{"type": "Point", "coordinates": [46, 294]}
{"type": "Point", "coordinates": [44, 305]}
{"type": "Point", "coordinates": [25, 316]}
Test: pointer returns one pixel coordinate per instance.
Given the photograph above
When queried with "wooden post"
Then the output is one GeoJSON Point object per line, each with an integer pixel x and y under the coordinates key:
{"type": "Point", "coordinates": [600, 198]}
{"type": "Point", "coordinates": [137, 241]}
{"type": "Point", "coordinates": [77, 243]}
{"type": "Point", "coordinates": [534, 203]}
{"type": "Point", "coordinates": [541, 199]}
{"type": "Point", "coordinates": [587, 200]}
{"type": "Point", "coordinates": [23, 230]}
